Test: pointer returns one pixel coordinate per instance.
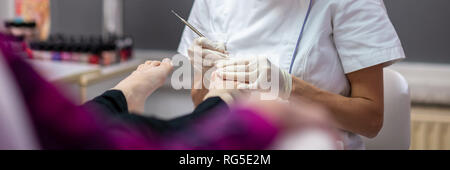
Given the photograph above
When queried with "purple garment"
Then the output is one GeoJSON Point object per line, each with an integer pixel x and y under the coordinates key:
{"type": "Point", "coordinates": [60, 124]}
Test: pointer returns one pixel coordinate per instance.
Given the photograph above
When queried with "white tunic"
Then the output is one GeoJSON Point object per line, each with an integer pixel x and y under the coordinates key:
{"type": "Point", "coordinates": [339, 37]}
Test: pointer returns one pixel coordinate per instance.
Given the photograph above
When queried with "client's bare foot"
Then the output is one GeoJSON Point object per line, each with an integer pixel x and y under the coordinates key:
{"type": "Point", "coordinates": [143, 82]}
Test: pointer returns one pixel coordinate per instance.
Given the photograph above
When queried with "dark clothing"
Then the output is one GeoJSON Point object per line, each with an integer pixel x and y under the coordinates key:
{"type": "Point", "coordinates": [114, 103]}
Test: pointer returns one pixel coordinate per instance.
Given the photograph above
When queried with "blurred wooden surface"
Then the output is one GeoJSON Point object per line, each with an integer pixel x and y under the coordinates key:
{"type": "Point", "coordinates": [430, 128]}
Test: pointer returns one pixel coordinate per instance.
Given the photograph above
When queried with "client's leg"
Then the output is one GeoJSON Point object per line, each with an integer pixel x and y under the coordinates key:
{"type": "Point", "coordinates": [130, 94]}
{"type": "Point", "coordinates": [143, 82]}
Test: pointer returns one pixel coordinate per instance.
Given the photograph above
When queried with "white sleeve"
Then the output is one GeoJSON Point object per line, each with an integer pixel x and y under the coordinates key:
{"type": "Point", "coordinates": [364, 35]}
{"type": "Point", "coordinates": [200, 19]}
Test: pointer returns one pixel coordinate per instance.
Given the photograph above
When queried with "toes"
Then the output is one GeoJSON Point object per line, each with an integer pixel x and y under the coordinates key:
{"type": "Point", "coordinates": [155, 63]}
{"type": "Point", "coordinates": [152, 63]}
{"type": "Point", "coordinates": [166, 60]}
{"type": "Point", "coordinates": [167, 63]}
{"type": "Point", "coordinates": [140, 67]}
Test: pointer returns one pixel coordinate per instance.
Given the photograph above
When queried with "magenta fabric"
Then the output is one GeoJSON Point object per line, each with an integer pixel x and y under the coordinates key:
{"type": "Point", "coordinates": [60, 124]}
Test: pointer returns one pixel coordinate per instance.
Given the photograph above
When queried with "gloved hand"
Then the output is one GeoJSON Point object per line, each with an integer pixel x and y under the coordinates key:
{"type": "Point", "coordinates": [256, 73]}
{"type": "Point", "coordinates": [217, 89]}
{"type": "Point", "coordinates": [204, 53]}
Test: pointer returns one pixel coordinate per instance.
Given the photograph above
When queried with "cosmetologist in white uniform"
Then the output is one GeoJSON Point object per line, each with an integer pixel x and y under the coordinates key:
{"type": "Point", "coordinates": [335, 50]}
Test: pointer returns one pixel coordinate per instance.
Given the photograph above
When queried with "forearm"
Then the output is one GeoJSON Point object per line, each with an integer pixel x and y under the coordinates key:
{"type": "Point", "coordinates": [355, 114]}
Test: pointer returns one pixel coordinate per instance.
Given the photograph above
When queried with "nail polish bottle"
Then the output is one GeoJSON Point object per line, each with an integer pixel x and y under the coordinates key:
{"type": "Point", "coordinates": [41, 48]}
{"type": "Point", "coordinates": [36, 51]}
{"type": "Point", "coordinates": [66, 53]}
{"type": "Point", "coordinates": [108, 54]}
{"type": "Point", "coordinates": [43, 51]}
{"type": "Point", "coordinates": [71, 48]}
{"type": "Point", "coordinates": [94, 56]}
{"type": "Point", "coordinates": [27, 49]}
{"type": "Point", "coordinates": [122, 52]}
{"type": "Point", "coordinates": [49, 48]}
{"type": "Point", "coordinates": [83, 53]}
{"type": "Point", "coordinates": [84, 49]}
{"type": "Point", "coordinates": [55, 49]}
{"type": "Point", "coordinates": [128, 49]}
{"type": "Point", "coordinates": [76, 53]}
{"type": "Point", "coordinates": [123, 44]}
{"type": "Point", "coordinates": [113, 50]}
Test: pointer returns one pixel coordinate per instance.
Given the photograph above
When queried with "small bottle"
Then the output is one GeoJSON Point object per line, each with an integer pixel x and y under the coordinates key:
{"type": "Point", "coordinates": [45, 51]}
{"type": "Point", "coordinates": [108, 54]}
{"type": "Point", "coordinates": [85, 50]}
{"type": "Point", "coordinates": [73, 49]}
{"type": "Point", "coordinates": [84, 46]}
{"type": "Point", "coordinates": [56, 51]}
{"type": "Point", "coordinates": [127, 48]}
{"type": "Point", "coordinates": [66, 53]}
{"type": "Point", "coordinates": [76, 53]}
{"type": "Point", "coordinates": [35, 50]}
{"type": "Point", "coordinates": [94, 56]}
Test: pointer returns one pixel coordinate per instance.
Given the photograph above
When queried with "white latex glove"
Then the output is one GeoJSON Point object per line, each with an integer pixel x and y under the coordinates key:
{"type": "Point", "coordinates": [256, 73]}
{"type": "Point", "coordinates": [216, 89]}
{"type": "Point", "coordinates": [204, 53]}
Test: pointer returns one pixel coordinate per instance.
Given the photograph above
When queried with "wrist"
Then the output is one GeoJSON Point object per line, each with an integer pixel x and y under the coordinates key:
{"type": "Point", "coordinates": [296, 87]}
{"type": "Point", "coordinates": [288, 78]}
{"type": "Point", "coordinates": [285, 85]}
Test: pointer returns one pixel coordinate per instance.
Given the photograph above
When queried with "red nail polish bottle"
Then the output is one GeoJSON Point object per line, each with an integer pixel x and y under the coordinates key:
{"type": "Point", "coordinates": [94, 57]}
